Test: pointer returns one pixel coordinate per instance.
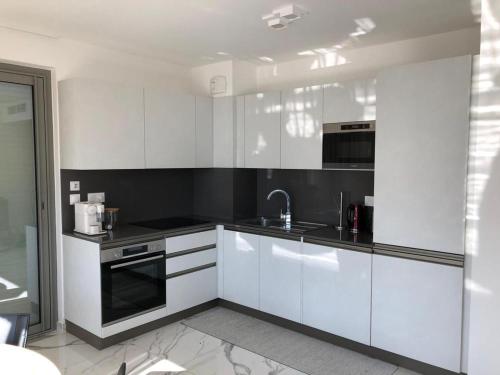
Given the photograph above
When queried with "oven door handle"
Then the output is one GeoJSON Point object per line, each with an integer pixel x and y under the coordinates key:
{"type": "Point", "coordinates": [136, 262]}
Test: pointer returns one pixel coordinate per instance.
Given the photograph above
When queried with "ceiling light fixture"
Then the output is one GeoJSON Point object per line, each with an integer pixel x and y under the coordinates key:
{"type": "Point", "coordinates": [266, 59]}
{"type": "Point", "coordinates": [280, 18]}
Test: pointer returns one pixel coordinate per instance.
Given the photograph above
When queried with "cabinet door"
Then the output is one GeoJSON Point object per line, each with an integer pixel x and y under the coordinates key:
{"type": "Point", "coordinates": [421, 154]}
{"type": "Point", "coordinates": [336, 291]}
{"type": "Point", "coordinates": [170, 129]}
{"type": "Point", "coordinates": [102, 125]}
{"type": "Point", "coordinates": [240, 133]}
{"type": "Point", "coordinates": [280, 277]}
{"type": "Point", "coordinates": [192, 289]}
{"type": "Point", "coordinates": [417, 310]}
{"type": "Point", "coordinates": [224, 132]}
{"type": "Point", "coordinates": [241, 268]}
{"type": "Point", "coordinates": [262, 130]}
{"type": "Point", "coordinates": [350, 101]}
{"type": "Point", "coordinates": [302, 128]}
{"type": "Point", "coordinates": [204, 132]}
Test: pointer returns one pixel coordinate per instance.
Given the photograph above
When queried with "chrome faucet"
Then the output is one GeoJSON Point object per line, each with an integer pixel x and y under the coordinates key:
{"type": "Point", "coordinates": [287, 216]}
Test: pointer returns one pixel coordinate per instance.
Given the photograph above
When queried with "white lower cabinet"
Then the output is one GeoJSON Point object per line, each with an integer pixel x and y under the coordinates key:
{"type": "Point", "coordinates": [280, 277]}
{"type": "Point", "coordinates": [417, 310]}
{"type": "Point", "coordinates": [241, 268]}
{"type": "Point", "coordinates": [191, 289]}
{"type": "Point", "coordinates": [336, 287]}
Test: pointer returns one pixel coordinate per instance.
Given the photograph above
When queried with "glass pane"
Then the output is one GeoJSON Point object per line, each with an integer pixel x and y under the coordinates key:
{"type": "Point", "coordinates": [19, 291]}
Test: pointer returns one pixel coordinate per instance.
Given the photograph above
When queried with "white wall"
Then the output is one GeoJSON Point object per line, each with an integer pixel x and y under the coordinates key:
{"type": "Point", "coordinates": [483, 201]}
{"type": "Point", "coordinates": [70, 59]}
{"type": "Point", "coordinates": [365, 62]}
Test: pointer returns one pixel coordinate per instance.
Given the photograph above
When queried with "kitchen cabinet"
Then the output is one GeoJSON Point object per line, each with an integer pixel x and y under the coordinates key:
{"type": "Point", "coordinates": [204, 132]}
{"type": "Point", "coordinates": [169, 129]}
{"type": "Point", "coordinates": [263, 130]}
{"type": "Point", "coordinates": [192, 289]}
{"type": "Point", "coordinates": [240, 133]}
{"type": "Point", "coordinates": [191, 270]}
{"type": "Point", "coordinates": [302, 128]}
{"type": "Point", "coordinates": [241, 268]}
{"type": "Point", "coordinates": [101, 125]}
{"type": "Point", "coordinates": [223, 120]}
{"type": "Point", "coordinates": [417, 310]}
{"type": "Point", "coordinates": [280, 277]}
{"type": "Point", "coordinates": [350, 101]}
{"type": "Point", "coordinates": [421, 154]}
{"type": "Point", "coordinates": [336, 291]}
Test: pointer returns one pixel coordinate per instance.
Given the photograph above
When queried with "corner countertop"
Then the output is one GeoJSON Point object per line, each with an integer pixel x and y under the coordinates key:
{"type": "Point", "coordinates": [125, 234]}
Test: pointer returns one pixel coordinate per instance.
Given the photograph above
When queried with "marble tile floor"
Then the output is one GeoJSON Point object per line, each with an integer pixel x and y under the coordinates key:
{"type": "Point", "coordinates": [173, 349]}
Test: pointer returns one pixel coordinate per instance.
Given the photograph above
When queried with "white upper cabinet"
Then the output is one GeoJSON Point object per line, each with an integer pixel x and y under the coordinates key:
{"type": "Point", "coordinates": [336, 291]}
{"type": "Point", "coordinates": [280, 277]}
{"type": "Point", "coordinates": [263, 130]}
{"type": "Point", "coordinates": [204, 132]}
{"type": "Point", "coordinates": [417, 310]}
{"type": "Point", "coordinates": [239, 154]}
{"type": "Point", "coordinates": [301, 128]}
{"type": "Point", "coordinates": [101, 125]}
{"type": "Point", "coordinates": [421, 154]}
{"type": "Point", "coordinates": [224, 118]}
{"type": "Point", "coordinates": [170, 129]}
{"type": "Point", "coordinates": [349, 101]}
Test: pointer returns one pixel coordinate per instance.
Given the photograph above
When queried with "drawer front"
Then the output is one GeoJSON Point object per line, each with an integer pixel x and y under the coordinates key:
{"type": "Point", "coordinates": [190, 241]}
{"type": "Point", "coordinates": [191, 289]}
{"type": "Point", "coordinates": [192, 260]}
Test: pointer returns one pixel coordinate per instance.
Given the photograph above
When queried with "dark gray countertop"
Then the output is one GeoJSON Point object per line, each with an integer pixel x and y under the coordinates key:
{"type": "Point", "coordinates": [328, 236]}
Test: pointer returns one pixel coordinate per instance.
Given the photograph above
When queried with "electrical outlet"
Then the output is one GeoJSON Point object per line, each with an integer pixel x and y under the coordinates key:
{"type": "Point", "coordinates": [96, 197]}
{"type": "Point", "coordinates": [368, 200]}
{"type": "Point", "coordinates": [74, 198]}
{"type": "Point", "coordinates": [74, 186]}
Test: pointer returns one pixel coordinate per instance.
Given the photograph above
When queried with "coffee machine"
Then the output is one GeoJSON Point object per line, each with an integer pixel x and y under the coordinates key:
{"type": "Point", "coordinates": [89, 217]}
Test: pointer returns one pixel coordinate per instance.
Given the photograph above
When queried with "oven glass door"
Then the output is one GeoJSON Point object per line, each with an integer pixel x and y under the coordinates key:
{"type": "Point", "coordinates": [132, 286]}
{"type": "Point", "coordinates": [352, 150]}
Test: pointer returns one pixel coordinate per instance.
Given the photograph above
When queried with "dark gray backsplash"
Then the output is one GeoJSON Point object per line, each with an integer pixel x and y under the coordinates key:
{"type": "Point", "coordinates": [313, 193]}
{"type": "Point", "coordinates": [219, 192]}
{"type": "Point", "coordinates": [141, 194]}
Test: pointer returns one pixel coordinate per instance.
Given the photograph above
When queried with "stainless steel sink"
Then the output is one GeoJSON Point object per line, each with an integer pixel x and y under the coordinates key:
{"type": "Point", "coordinates": [273, 223]}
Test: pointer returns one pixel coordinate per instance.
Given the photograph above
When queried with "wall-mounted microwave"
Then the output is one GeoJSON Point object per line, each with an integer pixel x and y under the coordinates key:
{"type": "Point", "coordinates": [349, 145]}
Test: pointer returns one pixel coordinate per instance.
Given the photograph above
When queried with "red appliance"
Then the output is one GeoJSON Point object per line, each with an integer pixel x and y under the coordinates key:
{"type": "Point", "coordinates": [354, 217]}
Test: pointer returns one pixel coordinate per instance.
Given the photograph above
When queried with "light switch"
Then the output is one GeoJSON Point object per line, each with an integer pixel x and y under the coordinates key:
{"type": "Point", "coordinates": [74, 198]}
{"type": "Point", "coordinates": [96, 197]}
{"type": "Point", "coordinates": [368, 200]}
{"type": "Point", "coordinates": [74, 186]}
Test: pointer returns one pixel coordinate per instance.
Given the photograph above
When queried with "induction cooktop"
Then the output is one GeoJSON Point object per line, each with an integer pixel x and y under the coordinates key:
{"type": "Point", "coordinates": [170, 223]}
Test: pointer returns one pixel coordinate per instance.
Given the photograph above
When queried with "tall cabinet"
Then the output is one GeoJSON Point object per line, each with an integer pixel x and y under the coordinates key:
{"type": "Point", "coordinates": [420, 176]}
{"type": "Point", "coordinates": [421, 154]}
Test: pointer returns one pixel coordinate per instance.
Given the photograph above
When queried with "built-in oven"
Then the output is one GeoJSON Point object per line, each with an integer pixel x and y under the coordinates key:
{"type": "Point", "coordinates": [349, 145]}
{"type": "Point", "coordinates": [132, 280]}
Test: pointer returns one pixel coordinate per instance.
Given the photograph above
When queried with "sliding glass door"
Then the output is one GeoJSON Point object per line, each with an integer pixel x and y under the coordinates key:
{"type": "Point", "coordinates": [26, 197]}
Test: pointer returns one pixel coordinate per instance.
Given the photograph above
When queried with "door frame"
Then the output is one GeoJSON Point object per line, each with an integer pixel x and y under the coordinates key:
{"type": "Point", "coordinates": [40, 80]}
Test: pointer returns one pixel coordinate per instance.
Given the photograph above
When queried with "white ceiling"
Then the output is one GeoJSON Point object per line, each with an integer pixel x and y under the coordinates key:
{"type": "Point", "coordinates": [191, 32]}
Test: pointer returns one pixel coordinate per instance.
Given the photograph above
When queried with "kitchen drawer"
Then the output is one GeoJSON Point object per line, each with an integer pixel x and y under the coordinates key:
{"type": "Point", "coordinates": [190, 241]}
{"type": "Point", "coordinates": [185, 262]}
{"type": "Point", "coordinates": [191, 289]}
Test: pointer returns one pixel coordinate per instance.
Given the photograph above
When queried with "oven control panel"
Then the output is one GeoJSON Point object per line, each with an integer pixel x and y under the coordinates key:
{"type": "Point", "coordinates": [132, 250]}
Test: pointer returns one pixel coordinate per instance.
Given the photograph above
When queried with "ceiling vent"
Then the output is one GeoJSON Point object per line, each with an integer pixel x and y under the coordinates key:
{"type": "Point", "coordinates": [280, 18]}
